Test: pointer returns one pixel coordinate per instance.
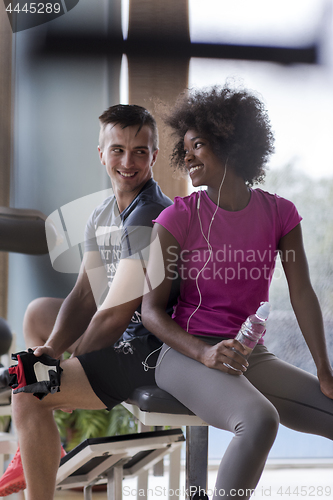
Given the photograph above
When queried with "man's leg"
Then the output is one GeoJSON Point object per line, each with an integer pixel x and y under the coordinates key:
{"type": "Point", "coordinates": [37, 432]}
{"type": "Point", "coordinates": [39, 320]}
{"type": "Point", "coordinates": [38, 323]}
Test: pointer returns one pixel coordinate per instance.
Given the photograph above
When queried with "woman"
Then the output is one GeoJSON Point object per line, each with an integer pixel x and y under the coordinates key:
{"type": "Point", "coordinates": [223, 243]}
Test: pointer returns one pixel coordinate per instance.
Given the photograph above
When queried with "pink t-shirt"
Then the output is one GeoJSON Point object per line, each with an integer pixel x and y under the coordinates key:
{"type": "Point", "coordinates": [237, 276]}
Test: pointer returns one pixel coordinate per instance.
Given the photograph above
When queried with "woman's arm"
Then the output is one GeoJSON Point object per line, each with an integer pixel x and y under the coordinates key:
{"type": "Point", "coordinates": [305, 305]}
{"type": "Point", "coordinates": [157, 321]}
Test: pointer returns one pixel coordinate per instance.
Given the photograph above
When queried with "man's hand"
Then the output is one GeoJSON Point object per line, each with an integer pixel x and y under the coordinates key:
{"type": "Point", "coordinates": [228, 352]}
{"type": "Point", "coordinates": [45, 349]}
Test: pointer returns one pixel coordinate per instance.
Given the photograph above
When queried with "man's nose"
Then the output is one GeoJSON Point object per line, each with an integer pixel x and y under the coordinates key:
{"type": "Point", "coordinates": [127, 160]}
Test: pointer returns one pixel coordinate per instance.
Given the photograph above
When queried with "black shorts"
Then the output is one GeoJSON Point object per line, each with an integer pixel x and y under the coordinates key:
{"type": "Point", "coordinates": [114, 372]}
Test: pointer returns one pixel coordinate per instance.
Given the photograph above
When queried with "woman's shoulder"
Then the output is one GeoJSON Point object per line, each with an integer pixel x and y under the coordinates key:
{"type": "Point", "coordinates": [177, 217]}
{"type": "Point", "coordinates": [279, 207]}
{"type": "Point", "coordinates": [181, 205]}
{"type": "Point", "coordinates": [186, 202]}
{"type": "Point", "coordinates": [272, 198]}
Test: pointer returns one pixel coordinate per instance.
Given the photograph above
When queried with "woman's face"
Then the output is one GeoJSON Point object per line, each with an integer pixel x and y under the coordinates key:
{"type": "Point", "coordinates": [202, 164]}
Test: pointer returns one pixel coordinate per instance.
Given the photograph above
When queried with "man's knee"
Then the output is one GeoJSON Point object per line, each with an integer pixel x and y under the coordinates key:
{"type": "Point", "coordinates": [27, 404]}
{"type": "Point", "coordinates": [40, 316]}
{"type": "Point", "coordinates": [35, 308]}
{"type": "Point", "coordinates": [31, 316]}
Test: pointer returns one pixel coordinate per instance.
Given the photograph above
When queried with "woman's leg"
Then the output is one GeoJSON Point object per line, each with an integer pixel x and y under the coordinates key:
{"type": "Point", "coordinates": [227, 402]}
{"type": "Point", "coordinates": [295, 393]}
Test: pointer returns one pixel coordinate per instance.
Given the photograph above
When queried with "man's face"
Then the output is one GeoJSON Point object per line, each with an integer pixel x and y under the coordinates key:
{"type": "Point", "coordinates": [128, 156]}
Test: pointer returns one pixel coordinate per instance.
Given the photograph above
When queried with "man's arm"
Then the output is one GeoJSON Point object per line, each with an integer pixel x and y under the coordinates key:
{"type": "Point", "coordinates": [114, 315]}
{"type": "Point", "coordinates": [76, 311]}
{"type": "Point", "coordinates": [79, 318]}
{"type": "Point", "coordinates": [126, 290]}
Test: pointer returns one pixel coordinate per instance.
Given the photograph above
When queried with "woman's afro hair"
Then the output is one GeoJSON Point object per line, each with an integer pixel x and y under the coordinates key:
{"type": "Point", "coordinates": [235, 122]}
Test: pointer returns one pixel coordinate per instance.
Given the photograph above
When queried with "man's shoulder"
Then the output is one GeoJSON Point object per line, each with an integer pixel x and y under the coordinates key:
{"type": "Point", "coordinates": [105, 210]}
{"type": "Point", "coordinates": [147, 205]}
{"type": "Point", "coordinates": [152, 193]}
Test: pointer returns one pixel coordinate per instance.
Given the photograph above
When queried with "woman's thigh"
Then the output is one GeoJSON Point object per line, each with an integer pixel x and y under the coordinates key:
{"type": "Point", "coordinates": [295, 393]}
{"type": "Point", "coordinates": [223, 400]}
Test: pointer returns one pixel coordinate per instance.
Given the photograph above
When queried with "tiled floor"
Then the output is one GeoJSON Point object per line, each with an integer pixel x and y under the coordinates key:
{"type": "Point", "coordinates": [275, 484]}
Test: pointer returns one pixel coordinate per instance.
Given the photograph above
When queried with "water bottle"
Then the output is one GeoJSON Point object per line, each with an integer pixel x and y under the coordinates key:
{"type": "Point", "coordinates": [253, 328]}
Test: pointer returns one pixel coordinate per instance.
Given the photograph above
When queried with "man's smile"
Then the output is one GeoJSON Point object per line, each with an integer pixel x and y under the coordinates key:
{"type": "Point", "coordinates": [126, 174]}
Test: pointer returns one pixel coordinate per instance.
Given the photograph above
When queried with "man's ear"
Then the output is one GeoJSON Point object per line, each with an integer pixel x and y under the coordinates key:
{"type": "Point", "coordinates": [100, 154]}
{"type": "Point", "coordinates": [155, 153]}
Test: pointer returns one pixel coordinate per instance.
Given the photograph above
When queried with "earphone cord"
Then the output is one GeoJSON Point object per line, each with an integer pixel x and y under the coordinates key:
{"type": "Point", "coordinates": [146, 367]}
{"type": "Point", "coordinates": [210, 249]}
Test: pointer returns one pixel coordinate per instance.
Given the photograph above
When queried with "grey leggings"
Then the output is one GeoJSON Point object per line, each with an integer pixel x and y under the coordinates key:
{"type": "Point", "coordinates": [250, 405]}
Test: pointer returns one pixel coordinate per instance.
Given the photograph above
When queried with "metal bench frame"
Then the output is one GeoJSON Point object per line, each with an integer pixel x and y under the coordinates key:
{"type": "Point", "coordinates": [153, 406]}
{"type": "Point", "coordinates": [110, 459]}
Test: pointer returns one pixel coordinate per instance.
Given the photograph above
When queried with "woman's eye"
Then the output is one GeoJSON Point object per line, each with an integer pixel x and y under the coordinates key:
{"type": "Point", "coordinates": [197, 145]}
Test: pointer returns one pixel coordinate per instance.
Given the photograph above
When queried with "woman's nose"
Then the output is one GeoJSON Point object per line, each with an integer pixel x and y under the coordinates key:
{"type": "Point", "coordinates": [189, 155]}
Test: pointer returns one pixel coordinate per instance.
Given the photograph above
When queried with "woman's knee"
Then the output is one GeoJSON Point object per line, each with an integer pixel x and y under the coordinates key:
{"type": "Point", "coordinates": [270, 421]}
{"type": "Point", "coordinates": [262, 422]}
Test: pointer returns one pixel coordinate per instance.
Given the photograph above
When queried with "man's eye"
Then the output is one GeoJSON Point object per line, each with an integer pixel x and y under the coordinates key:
{"type": "Point", "coordinates": [117, 150]}
{"type": "Point", "coordinates": [141, 151]}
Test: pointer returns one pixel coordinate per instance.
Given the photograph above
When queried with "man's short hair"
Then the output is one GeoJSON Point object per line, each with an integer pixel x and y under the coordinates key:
{"type": "Point", "coordinates": [128, 115]}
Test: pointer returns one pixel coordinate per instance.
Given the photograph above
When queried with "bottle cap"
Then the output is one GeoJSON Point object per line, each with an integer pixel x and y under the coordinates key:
{"type": "Point", "coordinates": [263, 310]}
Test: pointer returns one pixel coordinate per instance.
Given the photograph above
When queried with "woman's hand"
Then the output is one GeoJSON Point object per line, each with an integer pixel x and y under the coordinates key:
{"type": "Point", "coordinates": [326, 383]}
{"type": "Point", "coordinates": [226, 356]}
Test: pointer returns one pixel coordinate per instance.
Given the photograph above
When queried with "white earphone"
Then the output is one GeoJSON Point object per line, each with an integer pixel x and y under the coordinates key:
{"type": "Point", "coordinates": [210, 249]}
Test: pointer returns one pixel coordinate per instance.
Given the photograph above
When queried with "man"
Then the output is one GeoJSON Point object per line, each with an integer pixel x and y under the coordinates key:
{"type": "Point", "coordinates": [99, 374]}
